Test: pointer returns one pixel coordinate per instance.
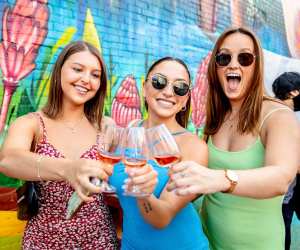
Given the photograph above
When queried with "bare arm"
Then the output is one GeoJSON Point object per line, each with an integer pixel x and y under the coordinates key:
{"type": "Point", "coordinates": [281, 138]}
{"type": "Point", "coordinates": [159, 212]}
{"type": "Point", "coordinates": [17, 161]}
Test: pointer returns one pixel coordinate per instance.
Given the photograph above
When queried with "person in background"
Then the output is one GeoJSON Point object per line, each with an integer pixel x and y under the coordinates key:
{"type": "Point", "coordinates": [286, 87]}
{"type": "Point", "coordinates": [253, 143]}
{"type": "Point", "coordinates": [164, 220]}
{"type": "Point", "coordinates": [58, 147]}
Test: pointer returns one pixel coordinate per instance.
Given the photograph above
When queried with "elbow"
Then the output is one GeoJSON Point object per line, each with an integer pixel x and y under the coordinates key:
{"type": "Point", "coordinates": [161, 224]}
{"type": "Point", "coordinates": [283, 185]}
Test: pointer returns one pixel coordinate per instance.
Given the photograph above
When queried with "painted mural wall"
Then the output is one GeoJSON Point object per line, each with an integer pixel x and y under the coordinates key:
{"type": "Point", "coordinates": [130, 34]}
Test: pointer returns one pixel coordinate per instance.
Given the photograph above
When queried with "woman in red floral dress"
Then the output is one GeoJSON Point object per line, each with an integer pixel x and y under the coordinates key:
{"type": "Point", "coordinates": [57, 147]}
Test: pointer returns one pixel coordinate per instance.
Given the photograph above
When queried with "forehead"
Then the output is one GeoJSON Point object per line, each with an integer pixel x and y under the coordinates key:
{"type": "Point", "coordinates": [85, 58]}
{"type": "Point", "coordinates": [237, 42]}
{"type": "Point", "coordinates": [171, 69]}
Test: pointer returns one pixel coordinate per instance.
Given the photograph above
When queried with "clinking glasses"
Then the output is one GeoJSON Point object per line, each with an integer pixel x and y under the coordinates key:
{"type": "Point", "coordinates": [180, 87]}
{"type": "Point", "coordinates": [244, 58]}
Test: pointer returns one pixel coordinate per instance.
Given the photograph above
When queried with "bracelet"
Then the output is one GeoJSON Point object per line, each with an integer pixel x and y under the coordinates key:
{"type": "Point", "coordinates": [38, 163]}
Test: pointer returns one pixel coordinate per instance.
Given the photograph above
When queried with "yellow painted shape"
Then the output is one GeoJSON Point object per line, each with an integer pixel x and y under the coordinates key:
{"type": "Point", "coordinates": [90, 32]}
{"type": "Point", "coordinates": [10, 225]}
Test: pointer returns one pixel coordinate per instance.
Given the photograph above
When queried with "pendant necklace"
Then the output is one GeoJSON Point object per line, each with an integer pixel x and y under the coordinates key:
{"type": "Point", "coordinates": [74, 127]}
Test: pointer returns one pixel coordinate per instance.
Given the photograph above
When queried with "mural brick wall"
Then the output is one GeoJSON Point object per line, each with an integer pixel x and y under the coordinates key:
{"type": "Point", "coordinates": [130, 34]}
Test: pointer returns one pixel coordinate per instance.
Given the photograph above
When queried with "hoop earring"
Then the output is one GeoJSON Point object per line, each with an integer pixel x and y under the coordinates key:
{"type": "Point", "coordinates": [183, 108]}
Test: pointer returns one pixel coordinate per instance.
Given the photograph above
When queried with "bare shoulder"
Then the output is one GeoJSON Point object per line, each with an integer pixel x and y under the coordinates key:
{"type": "Point", "coordinates": [28, 121]}
{"type": "Point", "coordinates": [276, 114]}
{"type": "Point", "coordinates": [193, 148]}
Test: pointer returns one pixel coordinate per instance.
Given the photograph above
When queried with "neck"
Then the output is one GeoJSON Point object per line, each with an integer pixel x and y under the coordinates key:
{"type": "Point", "coordinates": [72, 114]}
{"type": "Point", "coordinates": [170, 122]}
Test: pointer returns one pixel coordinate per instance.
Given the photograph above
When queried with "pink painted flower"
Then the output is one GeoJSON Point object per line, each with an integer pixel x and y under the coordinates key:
{"type": "Point", "coordinates": [199, 94]}
{"type": "Point", "coordinates": [126, 104]}
{"type": "Point", "coordinates": [24, 30]}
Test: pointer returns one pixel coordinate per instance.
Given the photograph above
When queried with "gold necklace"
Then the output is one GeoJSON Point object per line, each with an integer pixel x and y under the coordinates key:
{"type": "Point", "coordinates": [73, 128]}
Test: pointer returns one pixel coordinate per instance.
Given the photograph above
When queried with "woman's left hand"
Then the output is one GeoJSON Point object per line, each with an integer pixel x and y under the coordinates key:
{"type": "Point", "coordinates": [144, 179]}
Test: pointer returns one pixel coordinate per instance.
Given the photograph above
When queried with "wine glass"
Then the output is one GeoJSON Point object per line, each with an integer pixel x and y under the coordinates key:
{"type": "Point", "coordinates": [109, 151]}
{"type": "Point", "coordinates": [163, 146]}
{"type": "Point", "coordinates": [135, 154]}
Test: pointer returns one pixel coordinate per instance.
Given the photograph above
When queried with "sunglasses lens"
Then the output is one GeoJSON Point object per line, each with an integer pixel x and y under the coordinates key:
{"type": "Point", "coordinates": [181, 88]}
{"type": "Point", "coordinates": [245, 59]}
{"type": "Point", "coordinates": [223, 59]}
{"type": "Point", "coordinates": [159, 82]}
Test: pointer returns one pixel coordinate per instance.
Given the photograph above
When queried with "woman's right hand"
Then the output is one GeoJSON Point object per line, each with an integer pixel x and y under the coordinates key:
{"type": "Point", "coordinates": [81, 172]}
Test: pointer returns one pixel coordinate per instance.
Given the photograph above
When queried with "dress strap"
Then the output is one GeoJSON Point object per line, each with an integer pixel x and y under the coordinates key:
{"type": "Point", "coordinates": [42, 125]}
{"type": "Point", "coordinates": [270, 113]}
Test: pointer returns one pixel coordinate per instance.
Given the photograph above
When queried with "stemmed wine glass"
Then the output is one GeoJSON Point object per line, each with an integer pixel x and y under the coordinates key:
{"type": "Point", "coordinates": [110, 151]}
{"type": "Point", "coordinates": [135, 154]}
{"type": "Point", "coordinates": [163, 146]}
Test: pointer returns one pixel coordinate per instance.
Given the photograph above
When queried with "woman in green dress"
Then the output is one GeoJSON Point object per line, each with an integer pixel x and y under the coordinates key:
{"type": "Point", "coordinates": [253, 142]}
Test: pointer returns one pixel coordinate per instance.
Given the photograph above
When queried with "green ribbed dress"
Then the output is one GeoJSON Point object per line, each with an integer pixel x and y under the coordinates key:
{"type": "Point", "coordinates": [238, 223]}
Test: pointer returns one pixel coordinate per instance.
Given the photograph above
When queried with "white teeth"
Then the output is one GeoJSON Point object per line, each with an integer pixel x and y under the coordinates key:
{"type": "Point", "coordinates": [233, 75]}
{"type": "Point", "coordinates": [81, 89]}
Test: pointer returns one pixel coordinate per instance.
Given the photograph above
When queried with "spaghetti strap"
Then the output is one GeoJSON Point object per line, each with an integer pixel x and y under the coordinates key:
{"type": "Point", "coordinates": [42, 125]}
{"type": "Point", "coordinates": [270, 113]}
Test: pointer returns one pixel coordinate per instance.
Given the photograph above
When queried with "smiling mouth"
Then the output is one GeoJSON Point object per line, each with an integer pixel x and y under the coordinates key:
{"type": "Point", "coordinates": [165, 102]}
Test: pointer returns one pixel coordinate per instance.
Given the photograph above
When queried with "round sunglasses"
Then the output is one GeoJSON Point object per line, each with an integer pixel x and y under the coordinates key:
{"type": "Point", "coordinates": [180, 87]}
{"type": "Point", "coordinates": [244, 58]}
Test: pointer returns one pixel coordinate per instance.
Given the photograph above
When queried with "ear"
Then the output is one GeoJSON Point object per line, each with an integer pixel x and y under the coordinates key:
{"type": "Point", "coordinates": [186, 98]}
{"type": "Point", "coordinates": [294, 93]}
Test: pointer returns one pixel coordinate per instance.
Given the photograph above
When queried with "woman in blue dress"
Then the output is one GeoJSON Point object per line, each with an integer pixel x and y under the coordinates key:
{"type": "Point", "coordinates": [164, 220]}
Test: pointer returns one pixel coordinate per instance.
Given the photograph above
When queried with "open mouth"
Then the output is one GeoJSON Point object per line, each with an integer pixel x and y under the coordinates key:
{"type": "Point", "coordinates": [233, 76]}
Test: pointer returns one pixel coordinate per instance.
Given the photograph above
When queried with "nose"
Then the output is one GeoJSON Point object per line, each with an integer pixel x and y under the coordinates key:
{"type": "Point", "coordinates": [168, 90]}
{"type": "Point", "coordinates": [234, 62]}
{"type": "Point", "coordinates": [85, 77]}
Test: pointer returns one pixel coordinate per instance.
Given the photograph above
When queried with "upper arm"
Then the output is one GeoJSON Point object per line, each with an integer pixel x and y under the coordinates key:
{"type": "Point", "coordinates": [282, 141]}
{"type": "Point", "coordinates": [21, 133]}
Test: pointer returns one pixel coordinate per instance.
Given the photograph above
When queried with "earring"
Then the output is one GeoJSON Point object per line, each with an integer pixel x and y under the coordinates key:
{"type": "Point", "coordinates": [183, 108]}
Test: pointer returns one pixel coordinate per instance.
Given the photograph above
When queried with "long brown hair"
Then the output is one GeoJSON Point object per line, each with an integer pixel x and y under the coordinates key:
{"type": "Point", "coordinates": [182, 117]}
{"type": "Point", "coordinates": [93, 108]}
{"type": "Point", "coordinates": [217, 102]}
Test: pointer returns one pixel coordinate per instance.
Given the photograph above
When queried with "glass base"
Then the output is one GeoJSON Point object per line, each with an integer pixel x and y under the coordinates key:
{"type": "Point", "coordinates": [135, 192]}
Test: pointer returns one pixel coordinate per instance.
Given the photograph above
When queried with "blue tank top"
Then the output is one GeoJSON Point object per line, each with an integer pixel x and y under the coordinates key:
{"type": "Point", "coordinates": [183, 233]}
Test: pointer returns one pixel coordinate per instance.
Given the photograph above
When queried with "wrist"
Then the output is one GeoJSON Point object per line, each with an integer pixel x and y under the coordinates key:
{"type": "Point", "coordinates": [232, 180]}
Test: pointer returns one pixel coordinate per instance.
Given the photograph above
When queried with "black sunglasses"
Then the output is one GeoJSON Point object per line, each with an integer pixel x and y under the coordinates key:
{"type": "Point", "coordinates": [180, 87]}
{"type": "Point", "coordinates": [244, 58]}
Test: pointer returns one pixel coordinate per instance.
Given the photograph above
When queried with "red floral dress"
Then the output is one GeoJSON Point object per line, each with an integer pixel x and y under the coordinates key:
{"type": "Point", "coordinates": [92, 226]}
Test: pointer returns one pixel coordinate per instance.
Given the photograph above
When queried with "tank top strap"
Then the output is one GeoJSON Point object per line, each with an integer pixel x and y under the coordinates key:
{"type": "Point", "coordinates": [42, 125]}
{"type": "Point", "coordinates": [270, 113]}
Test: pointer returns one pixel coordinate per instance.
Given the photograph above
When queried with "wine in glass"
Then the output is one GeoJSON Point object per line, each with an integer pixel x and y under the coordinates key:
{"type": "Point", "coordinates": [162, 145]}
{"type": "Point", "coordinates": [135, 154]}
{"type": "Point", "coordinates": [110, 150]}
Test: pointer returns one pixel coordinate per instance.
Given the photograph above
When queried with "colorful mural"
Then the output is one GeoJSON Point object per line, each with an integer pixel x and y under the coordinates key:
{"type": "Point", "coordinates": [130, 34]}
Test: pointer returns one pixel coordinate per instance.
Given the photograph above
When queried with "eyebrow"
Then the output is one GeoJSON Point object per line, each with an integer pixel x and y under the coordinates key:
{"type": "Point", "coordinates": [167, 77]}
{"type": "Point", "coordinates": [243, 49]}
{"type": "Point", "coordinates": [84, 66]}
